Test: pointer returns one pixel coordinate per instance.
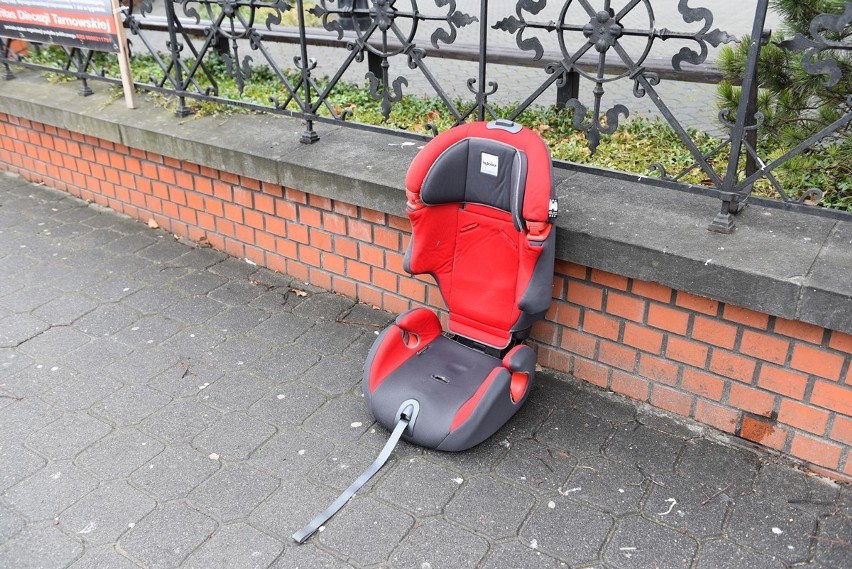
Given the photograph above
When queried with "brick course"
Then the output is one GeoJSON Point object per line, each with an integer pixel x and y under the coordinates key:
{"type": "Point", "coordinates": [783, 384]}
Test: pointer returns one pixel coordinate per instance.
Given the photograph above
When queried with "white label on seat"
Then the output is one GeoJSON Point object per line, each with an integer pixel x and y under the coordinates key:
{"type": "Point", "coordinates": [489, 164]}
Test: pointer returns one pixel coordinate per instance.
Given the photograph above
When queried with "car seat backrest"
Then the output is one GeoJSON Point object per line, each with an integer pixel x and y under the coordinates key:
{"type": "Point", "coordinates": [479, 201]}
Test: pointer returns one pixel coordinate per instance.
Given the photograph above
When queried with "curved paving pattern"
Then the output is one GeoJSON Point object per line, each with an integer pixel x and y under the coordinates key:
{"type": "Point", "coordinates": [167, 406]}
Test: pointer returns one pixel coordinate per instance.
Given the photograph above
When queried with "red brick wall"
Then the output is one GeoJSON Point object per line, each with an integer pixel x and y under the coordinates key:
{"type": "Point", "coordinates": [783, 384]}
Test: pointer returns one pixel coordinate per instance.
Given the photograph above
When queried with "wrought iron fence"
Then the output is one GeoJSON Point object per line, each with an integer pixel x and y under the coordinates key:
{"type": "Point", "coordinates": [573, 43]}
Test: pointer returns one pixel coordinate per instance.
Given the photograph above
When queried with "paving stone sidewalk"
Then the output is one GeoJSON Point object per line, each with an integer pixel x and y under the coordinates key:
{"type": "Point", "coordinates": [163, 405]}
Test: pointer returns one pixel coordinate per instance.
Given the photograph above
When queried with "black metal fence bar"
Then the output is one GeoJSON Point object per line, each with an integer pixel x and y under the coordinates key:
{"type": "Point", "coordinates": [572, 42]}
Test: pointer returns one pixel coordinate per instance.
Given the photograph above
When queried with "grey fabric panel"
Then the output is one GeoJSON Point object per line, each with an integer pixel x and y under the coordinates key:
{"type": "Point", "coordinates": [446, 182]}
{"type": "Point", "coordinates": [464, 370]}
{"type": "Point", "coordinates": [539, 293]}
{"type": "Point", "coordinates": [486, 185]}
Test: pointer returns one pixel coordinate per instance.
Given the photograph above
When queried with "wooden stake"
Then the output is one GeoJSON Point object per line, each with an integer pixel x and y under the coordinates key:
{"type": "Point", "coordinates": [123, 58]}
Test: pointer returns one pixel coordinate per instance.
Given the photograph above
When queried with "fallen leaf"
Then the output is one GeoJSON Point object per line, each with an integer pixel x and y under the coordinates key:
{"type": "Point", "coordinates": [298, 292]}
{"type": "Point", "coordinates": [153, 224]}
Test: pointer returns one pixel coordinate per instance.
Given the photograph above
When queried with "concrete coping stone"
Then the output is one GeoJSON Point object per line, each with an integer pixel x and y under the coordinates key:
{"type": "Point", "coordinates": [779, 262]}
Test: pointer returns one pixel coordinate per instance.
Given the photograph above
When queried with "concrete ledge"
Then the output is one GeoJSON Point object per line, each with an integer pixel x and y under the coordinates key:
{"type": "Point", "coordinates": [783, 263]}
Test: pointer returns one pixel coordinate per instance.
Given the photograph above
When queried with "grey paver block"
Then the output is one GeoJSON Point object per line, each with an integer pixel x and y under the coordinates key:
{"type": "Point", "coordinates": [288, 404]}
{"type": "Point", "coordinates": [199, 258]}
{"type": "Point", "coordinates": [68, 436]}
{"type": "Point", "coordinates": [578, 433]}
{"type": "Point", "coordinates": [119, 454]}
{"type": "Point", "coordinates": [97, 354]}
{"type": "Point", "coordinates": [586, 400]}
{"type": "Point", "coordinates": [606, 485]}
{"type": "Point", "coordinates": [292, 453]}
{"type": "Point", "coordinates": [40, 547]}
{"type": "Point", "coordinates": [236, 545]}
{"type": "Point", "coordinates": [345, 532]}
{"type": "Point", "coordinates": [282, 328]}
{"type": "Point", "coordinates": [649, 449]}
{"type": "Point", "coordinates": [535, 465]}
{"type": "Point", "coordinates": [180, 421]}
{"type": "Point", "coordinates": [16, 463]}
{"type": "Point", "coordinates": [49, 491]}
{"type": "Point", "coordinates": [24, 416]}
{"type": "Point", "coordinates": [195, 341]}
{"type": "Point", "coordinates": [341, 419]}
{"type": "Point", "coordinates": [81, 392]}
{"type": "Point", "coordinates": [693, 504]}
{"type": "Point", "coordinates": [167, 536]}
{"type": "Point", "coordinates": [115, 288]}
{"type": "Point", "coordinates": [286, 363]}
{"type": "Point", "coordinates": [439, 544]}
{"type": "Point", "coordinates": [419, 486]}
{"type": "Point", "coordinates": [142, 366]}
{"type": "Point", "coordinates": [18, 328]}
{"type": "Point", "coordinates": [103, 557]}
{"type": "Point", "coordinates": [199, 283]}
{"type": "Point", "coordinates": [153, 300]}
{"type": "Point", "coordinates": [175, 472]}
{"type": "Point", "coordinates": [238, 319]}
{"type": "Point", "coordinates": [235, 391]}
{"type": "Point", "coordinates": [345, 463]}
{"type": "Point", "coordinates": [164, 250]}
{"type": "Point", "coordinates": [237, 353]}
{"type": "Point", "coordinates": [367, 317]}
{"type": "Point", "coordinates": [232, 267]}
{"type": "Point", "coordinates": [292, 506]}
{"type": "Point", "coordinates": [65, 309]}
{"type": "Point", "coordinates": [29, 298]}
{"type": "Point", "coordinates": [567, 530]}
{"type": "Point", "coordinates": [234, 436]}
{"type": "Point", "coordinates": [11, 361]}
{"type": "Point", "coordinates": [834, 541]}
{"type": "Point", "coordinates": [638, 543]}
{"type": "Point", "coordinates": [307, 556]}
{"type": "Point", "coordinates": [722, 466]}
{"type": "Point", "coordinates": [36, 379]}
{"type": "Point", "coordinates": [332, 336]}
{"type": "Point", "coordinates": [236, 292]}
{"type": "Point", "coordinates": [513, 554]}
{"type": "Point", "coordinates": [774, 528]}
{"type": "Point", "coordinates": [475, 508]}
{"type": "Point", "coordinates": [110, 510]}
{"type": "Point", "coordinates": [150, 331]}
{"type": "Point", "coordinates": [10, 524]}
{"type": "Point", "coordinates": [195, 310]}
{"type": "Point", "coordinates": [323, 305]}
{"type": "Point", "coordinates": [128, 244]}
{"type": "Point", "coordinates": [781, 483]}
{"type": "Point", "coordinates": [54, 342]}
{"type": "Point", "coordinates": [233, 492]}
{"type": "Point", "coordinates": [334, 374]}
{"type": "Point", "coordinates": [723, 554]}
{"type": "Point", "coordinates": [130, 404]}
{"type": "Point", "coordinates": [106, 320]}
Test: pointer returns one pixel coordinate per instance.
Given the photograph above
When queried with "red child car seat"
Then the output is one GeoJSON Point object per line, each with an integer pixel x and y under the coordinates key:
{"type": "Point", "coordinates": [481, 203]}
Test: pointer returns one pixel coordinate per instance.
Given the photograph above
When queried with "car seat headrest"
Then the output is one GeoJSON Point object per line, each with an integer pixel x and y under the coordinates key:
{"type": "Point", "coordinates": [478, 170]}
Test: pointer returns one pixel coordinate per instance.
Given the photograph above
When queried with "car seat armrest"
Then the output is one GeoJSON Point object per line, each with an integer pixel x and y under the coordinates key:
{"type": "Point", "coordinates": [521, 358]}
{"type": "Point", "coordinates": [421, 324]}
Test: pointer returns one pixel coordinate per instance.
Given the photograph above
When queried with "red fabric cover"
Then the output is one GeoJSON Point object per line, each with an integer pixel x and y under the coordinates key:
{"type": "Point", "coordinates": [394, 351]}
{"type": "Point", "coordinates": [468, 407]}
{"type": "Point", "coordinates": [538, 186]}
{"type": "Point", "coordinates": [482, 265]}
{"type": "Point", "coordinates": [520, 381]}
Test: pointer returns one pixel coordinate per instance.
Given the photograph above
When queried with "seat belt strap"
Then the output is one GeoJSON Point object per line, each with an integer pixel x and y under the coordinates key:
{"type": "Point", "coordinates": [306, 532]}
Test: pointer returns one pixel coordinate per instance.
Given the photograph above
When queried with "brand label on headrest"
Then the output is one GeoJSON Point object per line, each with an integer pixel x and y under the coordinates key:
{"type": "Point", "coordinates": [489, 164]}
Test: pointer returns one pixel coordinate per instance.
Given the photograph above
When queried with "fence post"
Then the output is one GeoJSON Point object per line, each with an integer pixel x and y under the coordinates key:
{"type": "Point", "coordinates": [724, 222]}
{"type": "Point", "coordinates": [174, 50]}
{"type": "Point", "coordinates": [309, 135]}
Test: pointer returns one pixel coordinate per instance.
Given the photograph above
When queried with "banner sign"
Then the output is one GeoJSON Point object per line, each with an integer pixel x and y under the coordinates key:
{"type": "Point", "coordinates": [86, 24]}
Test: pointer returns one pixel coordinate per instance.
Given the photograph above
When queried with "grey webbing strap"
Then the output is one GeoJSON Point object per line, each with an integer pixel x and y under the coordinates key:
{"type": "Point", "coordinates": [306, 532]}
